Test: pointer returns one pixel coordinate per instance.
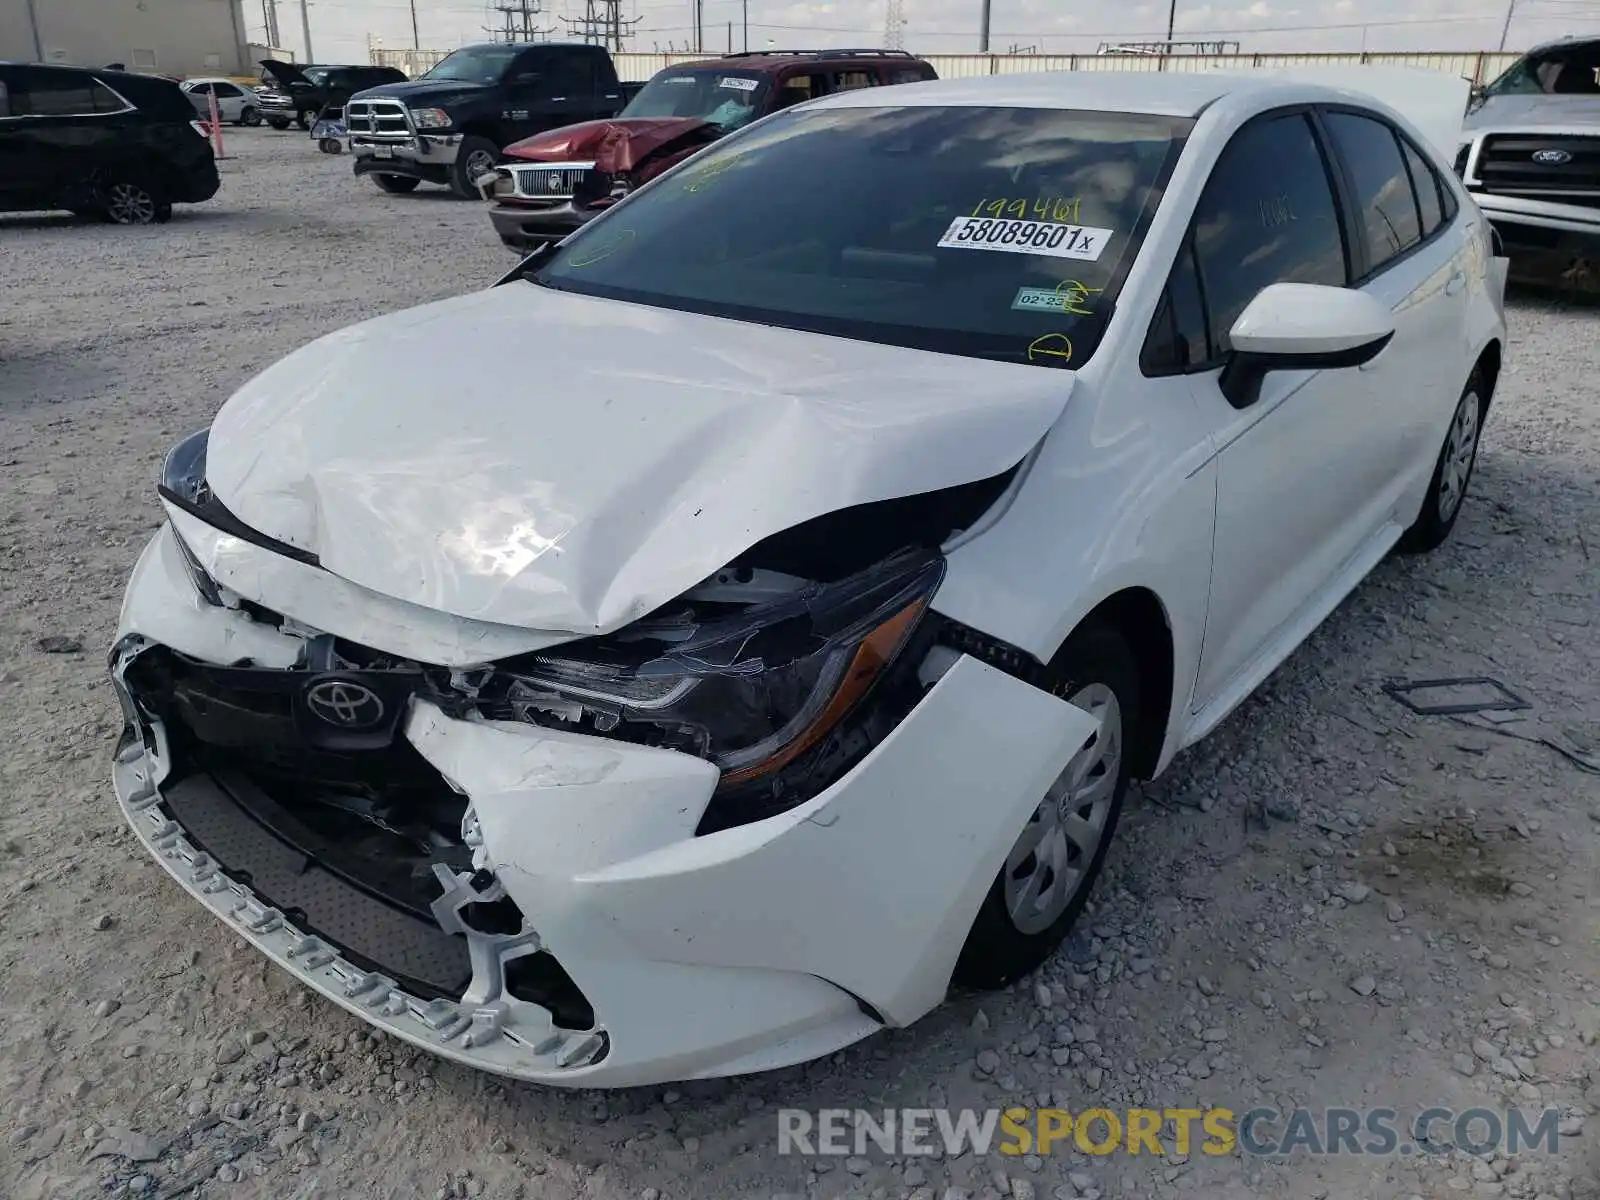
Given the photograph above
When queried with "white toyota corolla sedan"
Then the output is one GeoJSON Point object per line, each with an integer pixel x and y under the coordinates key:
{"type": "Point", "coordinates": [704, 647]}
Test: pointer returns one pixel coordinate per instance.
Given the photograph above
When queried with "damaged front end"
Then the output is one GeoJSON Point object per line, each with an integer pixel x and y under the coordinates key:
{"type": "Point", "coordinates": [471, 857]}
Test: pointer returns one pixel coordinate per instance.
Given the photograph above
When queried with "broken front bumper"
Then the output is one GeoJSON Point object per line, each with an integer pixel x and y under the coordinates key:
{"type": "Point", "coordinates": [755, 947]}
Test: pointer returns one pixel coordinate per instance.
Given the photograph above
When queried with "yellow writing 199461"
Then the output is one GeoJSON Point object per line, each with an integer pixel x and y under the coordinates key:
{"type": "Point", "coordinates": [1101, 1131]}
{"type": "Point", "coordinates": [1045, 208]}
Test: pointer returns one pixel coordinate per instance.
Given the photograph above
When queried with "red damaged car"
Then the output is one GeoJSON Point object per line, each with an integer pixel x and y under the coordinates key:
{"type": "Point", "coordinates": [556, 181]}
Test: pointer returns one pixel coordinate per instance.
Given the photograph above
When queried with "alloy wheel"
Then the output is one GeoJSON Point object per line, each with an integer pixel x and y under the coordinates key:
{"type": "Point", "coordinates": [479, 162]}
{"type": "Point", "coordinates": [1460, 446]}
{"type": "Point", "coordinates": [130, 204]}
{"type": "Point", "coordinates": [1050, 861]}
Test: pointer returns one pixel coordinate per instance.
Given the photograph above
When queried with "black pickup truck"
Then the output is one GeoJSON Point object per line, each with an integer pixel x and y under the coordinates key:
{"type": "Point", "coordinates": [450, 125]}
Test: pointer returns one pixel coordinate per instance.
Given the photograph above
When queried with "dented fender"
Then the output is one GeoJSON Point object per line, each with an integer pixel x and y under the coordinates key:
{"type": "Point", "coordinates": [601, 855]}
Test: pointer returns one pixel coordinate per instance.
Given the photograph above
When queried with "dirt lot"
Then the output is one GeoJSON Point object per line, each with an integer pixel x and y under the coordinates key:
{"type": "Point", "coordinates": [1331, 902]}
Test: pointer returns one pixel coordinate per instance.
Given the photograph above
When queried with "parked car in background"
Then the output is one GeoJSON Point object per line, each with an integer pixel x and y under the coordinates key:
{"type": "Point", "coordinates": [235, 102]}
{"type": "Point", "coordinates": [300, 93]}
{"type": "Point", "coordinates": [100, 143]}
{"type": "Point", "coordinates": [691, 655]}
{"type": "Point", "coordinates": [1530, 152]}
{"type": "Point", "coordinates": [556, 181]}
{"type": "Point", "coordinates": [449, 125]}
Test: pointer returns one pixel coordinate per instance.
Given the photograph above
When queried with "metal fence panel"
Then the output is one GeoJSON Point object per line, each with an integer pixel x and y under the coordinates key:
{"type": "Point", "coordinates": [1478, 66]}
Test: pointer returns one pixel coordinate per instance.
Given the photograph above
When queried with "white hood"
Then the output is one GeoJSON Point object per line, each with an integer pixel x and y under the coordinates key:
{"type": "Point", "coordinates": [564, 463]}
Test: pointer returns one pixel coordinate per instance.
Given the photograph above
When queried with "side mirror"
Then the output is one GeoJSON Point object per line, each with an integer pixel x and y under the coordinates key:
{"type": "Point", "coordinates": [1302, 327]}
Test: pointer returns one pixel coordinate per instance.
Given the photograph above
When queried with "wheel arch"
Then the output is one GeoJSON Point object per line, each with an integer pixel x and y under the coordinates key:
{"type": "Point", "coordinates": [1138, 614]}
{"type": "Point", "coordinates": [1488, 365]}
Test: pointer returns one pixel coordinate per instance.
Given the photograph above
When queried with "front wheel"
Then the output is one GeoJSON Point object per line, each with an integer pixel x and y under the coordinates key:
{"type": "Point", "coordinates": [278, 123]}
{"type": "Point", "coordinates": [396, 185]}
{"type": "Point", "coordinates": [1451, 473]}
{"type": "Point", "coordinates": [1051, 868]}
{"type": "Point", "coordinates": [250, 116]}
{"type": "Point", "coordinates": [477, 157]}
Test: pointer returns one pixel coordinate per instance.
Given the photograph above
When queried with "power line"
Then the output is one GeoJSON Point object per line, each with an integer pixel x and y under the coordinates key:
{"type": "Point", "coordinates": [602, 24]}
{"type": "Point", "coordinates": [519, 16]}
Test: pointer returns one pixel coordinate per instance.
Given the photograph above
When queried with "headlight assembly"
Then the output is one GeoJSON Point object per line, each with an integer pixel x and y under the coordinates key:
{"type": "Point", "coordinates": [752, 689]}
{"type": "Point", "coordinates": [430, 118]}
{"type": "Point", "coordinates": [183, 474]}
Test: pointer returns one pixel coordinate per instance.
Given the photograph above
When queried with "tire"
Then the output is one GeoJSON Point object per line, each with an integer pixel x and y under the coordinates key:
{"type": "Point", "coordinates": [396, 185]}
{"type": "Point", "coordinates": [131, 202]}
{"type": "Point", "coordinates": [303, 119]}
{"type": "Point", "coordinates": [1094, 669]}
{"type": "Point", "coordinates": [477, 157]}
{"type": "Point", "coordinates": [1452, 472]}
{"type": "Point", "coordinates": [278, 123]}
{"type": "Point", "coordinates": [250, 116]}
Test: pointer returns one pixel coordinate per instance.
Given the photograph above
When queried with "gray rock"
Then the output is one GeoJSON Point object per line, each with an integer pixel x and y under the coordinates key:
{"type": "Point", "coordinates": [141, 1148]}
{"type": "Point", "coordinates": [228, 1173]}
{"type": "Point", "coordinates": [650, 1194]}
{"type": "Point", "coordinates": [1093, 1077]}
{"type": "Point", "coordinates": [1041, 994]}
{"type": "Point", "coordinates": [140, 1184]}
{"type": "Point", "coordinates": [1352, 892]}
{"type": "Point", "coordinates": [1363, 985]}
{"type": "Point", "coordinates": [1464, 1064]}
{"type": "Point", "coordinates": [988, 1062]}
{"type": "Point", "coordinates": [1394, 910]}
{"type": "Point", "coordinates": [1214, 1035]}
{"type": "Point", "coordinates": [229, 1052]}
{"type": "Point", "coordinates": [857, 1165]}
{"type": "Point", "coordinates": [1571, 1126]}
{"type": "Point", "coordinates": [104, 922]}
{"type": "Point", "coordinates": [106, 1007]}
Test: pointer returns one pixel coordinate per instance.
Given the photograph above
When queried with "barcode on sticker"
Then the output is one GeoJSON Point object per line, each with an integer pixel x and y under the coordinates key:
{"type": "Point", "coordinates": [1025, 237]}
{"type": "Point", "coordinates": [737, 84]}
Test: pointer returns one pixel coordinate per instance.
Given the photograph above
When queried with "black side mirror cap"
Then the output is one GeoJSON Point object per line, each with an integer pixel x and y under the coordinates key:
{"type": "Point", "coordinates": [1244, 372]}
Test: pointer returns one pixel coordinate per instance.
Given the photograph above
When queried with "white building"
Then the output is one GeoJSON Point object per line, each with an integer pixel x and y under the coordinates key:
{"type": "Point", "coordinates": [175, 37]}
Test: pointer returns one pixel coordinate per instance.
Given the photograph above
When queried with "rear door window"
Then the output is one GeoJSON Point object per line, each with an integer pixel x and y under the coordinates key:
{"type": "Point", "coordinates": [1267, 216]}
{"type": "Point", "coordinates": [1430, 189]}
{"type": "Point", "coordinates": [1390, 223]}
{"type": "Point", "coordinates": [41, 92]}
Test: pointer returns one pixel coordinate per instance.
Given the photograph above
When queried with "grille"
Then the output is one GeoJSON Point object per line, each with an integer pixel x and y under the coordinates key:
{"type": "Point", "coordinates": [549, 182]}
{"type": "Point", "coordinates": [377, 118]}
{"type": "Point", "coordinates": [1540, 164]}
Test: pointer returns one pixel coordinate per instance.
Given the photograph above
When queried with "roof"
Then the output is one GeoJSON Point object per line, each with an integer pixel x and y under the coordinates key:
{"type": "Point", "coordinates": [776, 60]}
{"type": "Point", "coordinates": [1571, 41]}
{"type": "Point", "coordinates": [1160, 93]}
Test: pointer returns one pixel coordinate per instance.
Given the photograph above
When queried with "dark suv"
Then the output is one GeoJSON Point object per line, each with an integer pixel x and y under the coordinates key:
{"type": "Point", "coordinates": [99, 143]}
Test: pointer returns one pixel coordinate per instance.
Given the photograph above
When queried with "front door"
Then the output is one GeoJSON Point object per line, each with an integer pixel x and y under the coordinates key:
{"type": "Point", "coordinates": [1296, 470]}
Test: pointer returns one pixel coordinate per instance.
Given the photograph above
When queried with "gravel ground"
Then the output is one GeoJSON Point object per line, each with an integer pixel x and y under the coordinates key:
{"type": "Point", "coordinates": [1330, 902]}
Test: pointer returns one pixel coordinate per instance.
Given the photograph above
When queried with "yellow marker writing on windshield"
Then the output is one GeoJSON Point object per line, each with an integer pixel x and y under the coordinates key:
{"type": "Point", "coordinates": [1052, 347]}
{"type": "Point", "coordinates": [587, 258]}
{"type": "Point", "coordinates": [1074, 296]}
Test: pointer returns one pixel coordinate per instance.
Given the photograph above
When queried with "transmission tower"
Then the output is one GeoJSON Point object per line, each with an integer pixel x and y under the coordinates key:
{"type": "Point", "coordinates": [518, 22]}
{"type": "Point", "coordinates": [894, 25]}
{"type": "Point", "coordinates": [603, 24]}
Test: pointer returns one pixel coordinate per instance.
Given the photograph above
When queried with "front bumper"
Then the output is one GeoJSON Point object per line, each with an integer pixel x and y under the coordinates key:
{"type": "Point", "coordinates": [1526, 222]}
{"type": "Point", "coordinates": [747, 949]}
{"type": "Point", "coordinates": [525, 229]}
{"type": "Point", "coordinates": [427, 156]}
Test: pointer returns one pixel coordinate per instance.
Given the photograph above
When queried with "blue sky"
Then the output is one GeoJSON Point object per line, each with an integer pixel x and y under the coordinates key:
{"type": "Point", "coordinates": [340, 28]}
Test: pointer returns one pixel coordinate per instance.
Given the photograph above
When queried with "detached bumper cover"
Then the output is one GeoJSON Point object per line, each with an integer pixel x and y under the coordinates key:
{"type": "Point", "coordinates": [755, 947]}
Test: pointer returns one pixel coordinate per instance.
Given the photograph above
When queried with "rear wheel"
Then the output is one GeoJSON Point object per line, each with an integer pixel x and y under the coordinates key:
{"type": "Point", "coordinates": [250, 116]}
{"type": "Point", "coordinates": [477, 157]}
{"type": "Point", "coordinates": [1050, 870]}
{"type": "Point", "coordinates": [396, 185]}
{"type": "Point", "coordinates": [128, 202]}
{"type": "Point", "coordinates": [1451, 473]}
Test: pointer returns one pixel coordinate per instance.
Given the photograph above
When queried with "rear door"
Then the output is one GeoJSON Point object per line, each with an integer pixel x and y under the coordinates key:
{"type": "Point", "coordinates": [1414, 263]}
{"type": "Point", "coordinates": [70, 128]}
{"type": "Point", "coordinates": [19, 176]}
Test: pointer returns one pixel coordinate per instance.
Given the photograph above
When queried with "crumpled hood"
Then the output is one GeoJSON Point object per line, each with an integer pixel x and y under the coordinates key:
{"type": "Point", "coordinates": [613, 146]}
{"type": "Point", "coordinates": [565, 463]}
{"type": "Point", "coordinates": [1523, 111]}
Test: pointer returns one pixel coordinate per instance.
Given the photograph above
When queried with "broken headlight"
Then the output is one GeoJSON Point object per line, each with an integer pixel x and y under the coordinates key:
{"type": "Point", "coordinates": [183, 475]}
{"type": "Point", "coordinates": [751, 688]}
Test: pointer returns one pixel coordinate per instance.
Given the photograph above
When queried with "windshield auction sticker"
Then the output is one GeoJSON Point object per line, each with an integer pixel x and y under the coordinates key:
{"type": "Point", "coordinates": [1025, 237]}
{"type": "Point", "coordinates": [737, 84]}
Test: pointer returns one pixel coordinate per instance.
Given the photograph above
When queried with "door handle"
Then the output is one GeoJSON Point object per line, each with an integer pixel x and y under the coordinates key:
{"type": "Point", "coordinates": [1455, 283]}
{"type": "Point", "coordinates": [557, 99]}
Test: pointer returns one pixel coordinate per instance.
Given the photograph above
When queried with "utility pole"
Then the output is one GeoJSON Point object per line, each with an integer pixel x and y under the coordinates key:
{"type": "Point", "coordinates": [699, 26]}
{"type": "Point", "coordinates": [520, 17]}
{"type": "Point", "coordinates": [416, 36]}
{"type": "Point", "coordinates": [746, 15]}
{"type": "Point", "coordinates": [983, 32]}
{"type": "Point", "coordinates": [1172, 20]}
{"type": "Point", "coordinates": [1505, 30]}
{"type": "Point", "coordinates": [305, 28]}
{"type": "Point", "coordinates": [602, 24]}
{"type": "Point", "coordinates": [894, 25]}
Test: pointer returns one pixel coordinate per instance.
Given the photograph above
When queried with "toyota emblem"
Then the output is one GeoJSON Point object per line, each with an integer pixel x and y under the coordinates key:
{"type": "Point", "coordinates": [1552, 158]}
{"type": "Point", "coordinates": [344, 703]}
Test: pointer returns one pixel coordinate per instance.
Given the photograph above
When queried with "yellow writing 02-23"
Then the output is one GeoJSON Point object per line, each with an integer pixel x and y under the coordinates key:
{"type": "Point", "coordinates": [1101, 1131]}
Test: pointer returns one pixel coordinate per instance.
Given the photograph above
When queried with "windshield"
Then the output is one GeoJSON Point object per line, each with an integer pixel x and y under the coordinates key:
{"type": "Point", "coordinates": [475, 64]}
{"type": "Point", "coordinates": [316, 76]}
{"type": "Point", "coordinates": [726, 98]}
{"type": "Point", "coordinates": [1562, 71]}
{"type": "Point", "coordinates": [1000, 233]}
